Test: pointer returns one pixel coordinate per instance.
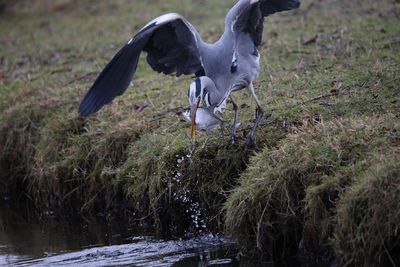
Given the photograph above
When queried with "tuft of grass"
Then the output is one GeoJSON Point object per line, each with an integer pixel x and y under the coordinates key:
{"type": "Point", "coordinates": [75, 166]}
{"type": "Point", "coordinates": [289, 195]}
{"type": "Point", "coordinates": [368, 217]}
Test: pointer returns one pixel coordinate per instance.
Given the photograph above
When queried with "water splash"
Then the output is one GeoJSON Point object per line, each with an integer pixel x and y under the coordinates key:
{"type": "Point", "coordinates": [183, 197]}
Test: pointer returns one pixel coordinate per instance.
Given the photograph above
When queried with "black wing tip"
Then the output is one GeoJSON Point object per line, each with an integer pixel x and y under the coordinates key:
{"type": "Point", "coordinates": [296, 4]}
{"type": "Point", "coordinates": [88, 106]}
{"type": "Point", "coordinates": [85, 109]}
{"type": "Point", "coordinates": [273, 6]}
{"type": "Point", "coordinates": [112, 81]}
{"type": "Point", "coordinates": [84, 114]}
{"type": "Point", "coordinates": [292, 4]}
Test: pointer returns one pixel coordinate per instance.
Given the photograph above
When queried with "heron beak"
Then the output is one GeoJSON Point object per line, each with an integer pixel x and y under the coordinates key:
{"type": "Point", "coordinates": [193, 111]}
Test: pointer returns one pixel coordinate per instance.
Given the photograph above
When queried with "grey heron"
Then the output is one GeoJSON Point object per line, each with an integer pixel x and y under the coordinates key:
{"type": "Point", "coordinates": [174, 46]}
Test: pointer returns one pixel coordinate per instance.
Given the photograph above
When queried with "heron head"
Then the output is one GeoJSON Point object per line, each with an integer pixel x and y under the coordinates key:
{"type": "Point", "coordinates": [195, 95]}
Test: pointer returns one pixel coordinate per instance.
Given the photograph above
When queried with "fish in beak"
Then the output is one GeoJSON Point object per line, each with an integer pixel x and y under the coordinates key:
{"type": "Point", "coordinates": [204, 119]}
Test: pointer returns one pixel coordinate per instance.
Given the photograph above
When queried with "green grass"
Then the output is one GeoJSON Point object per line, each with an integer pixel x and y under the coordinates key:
{"type": "Point", "coordinates": [328, 146]}
{"type": "Point", "coordinates": [291, 193]}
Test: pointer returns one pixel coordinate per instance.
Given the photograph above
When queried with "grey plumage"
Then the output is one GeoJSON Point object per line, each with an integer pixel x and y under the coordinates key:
{"type": "Point", "coordinates": [174, 46]}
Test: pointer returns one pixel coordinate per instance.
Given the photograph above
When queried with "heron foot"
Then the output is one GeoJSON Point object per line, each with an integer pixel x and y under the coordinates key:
{"type": "Point", "coordinates": [233, 137]}
{"type": "Point", "coordinates": [251, 139]}
{"type": "Point", "coordinates": [250, 142]}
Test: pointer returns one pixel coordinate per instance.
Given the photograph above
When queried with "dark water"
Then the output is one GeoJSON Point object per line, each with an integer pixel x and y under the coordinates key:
{"type": "Point", "coordinates": [25, 243]}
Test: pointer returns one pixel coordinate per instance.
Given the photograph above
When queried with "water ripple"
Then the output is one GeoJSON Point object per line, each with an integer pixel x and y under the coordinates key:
{"type": "Point", "coordinates": [145, 252]}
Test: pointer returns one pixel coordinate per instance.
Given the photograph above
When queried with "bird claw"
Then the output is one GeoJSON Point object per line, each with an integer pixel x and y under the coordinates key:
{"type": "Point", "coordinates": [250, 142]}
{"type": "Point", "coordinates": [251, 139]}
{"type": "Point", "coordinates": [233, 138]}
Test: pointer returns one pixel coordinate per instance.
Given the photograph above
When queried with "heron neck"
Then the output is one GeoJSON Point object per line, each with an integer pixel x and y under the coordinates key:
{"type": "Point", "coordinates": [208, 84]}
{"type": "Point", "coordinates": [215, 94]}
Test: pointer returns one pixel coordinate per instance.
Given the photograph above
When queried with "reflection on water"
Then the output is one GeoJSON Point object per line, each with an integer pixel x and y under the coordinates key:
{"type": "Point", "coordinates": [20, 236]}
{"type": "Point", "coordinates": [25, 243]}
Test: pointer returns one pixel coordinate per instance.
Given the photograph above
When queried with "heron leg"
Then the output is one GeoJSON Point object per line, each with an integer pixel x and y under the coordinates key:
{"type": "Point", "coordinates": [251, 139]}
{"type": "Point", "coordinates": [235, 109]}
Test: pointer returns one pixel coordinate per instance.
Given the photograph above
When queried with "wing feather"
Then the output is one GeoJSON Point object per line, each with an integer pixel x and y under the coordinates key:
{"type": "Point", "coordinates": [250, 17]}
{"type": "Point", "coordinates": [171, 44]}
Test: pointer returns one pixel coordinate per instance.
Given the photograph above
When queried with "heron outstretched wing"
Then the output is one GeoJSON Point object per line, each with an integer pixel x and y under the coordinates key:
{"type": "Point", "coordinates": [171, 43]}
{"type": "Point", "coordinates": [248, 15]}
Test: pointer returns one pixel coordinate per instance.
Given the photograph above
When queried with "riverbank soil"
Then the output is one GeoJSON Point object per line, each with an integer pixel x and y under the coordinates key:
{"type": "Point", "coordinates": [323, 183]}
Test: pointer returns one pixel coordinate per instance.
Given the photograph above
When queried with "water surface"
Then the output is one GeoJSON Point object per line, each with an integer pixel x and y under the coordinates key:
{"type": "Point", "coordinates": [95, 243]}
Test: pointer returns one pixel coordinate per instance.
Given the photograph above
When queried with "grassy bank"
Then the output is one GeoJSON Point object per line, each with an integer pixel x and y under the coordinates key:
{"type": "Point", "coordinates": [324, 179]}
